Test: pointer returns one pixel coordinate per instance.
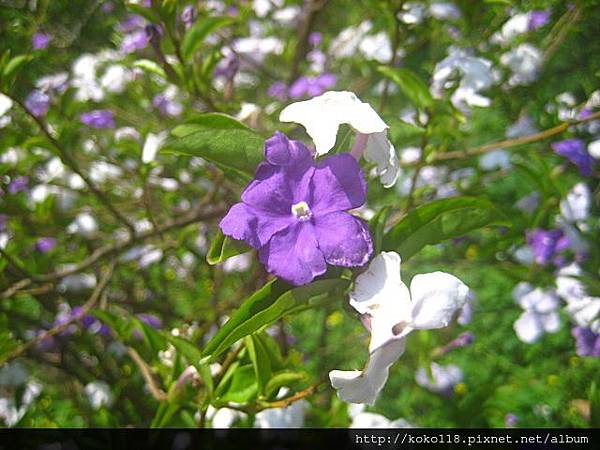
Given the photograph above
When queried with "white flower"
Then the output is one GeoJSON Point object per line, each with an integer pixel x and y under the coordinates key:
{"type": "Point", "coordinates": [5, 104]}
{"type": "Point", "coordinates": [475, 75]}
{"type": "Point", "coordinates": [516, 25]}
{"type": "Point", "coordinates": [289, 417]}
{"type": "Point", "coordinates": [98, 394]}
{"type": "Point", "coordinates": [373, 420]}
{"type": "Point", "coordinates": [237, 263]}
{"type": "Point", "coordinates": [497, 159]}
{"type": "Point", "coordinates": [594, 148]}
{"type": "Point", "coordinates": [576, 205]}
{"type": "Point", "coordinates": [84, 224]}
{"type": "Point", "coordinates": [152, 145]}
{"type": "Point", "coordinates": [322, 116]}
{"type": "Point", "coordinates": [413, 13]}
{"type": "Point", "coordinates": [101, 171]}
{"type": "Point", "coordinates": [444, 11]}
{"type": "Point", "coordinates": [77, 282]}
{"type": "Point", "coordinates": [347, 42]}
{"type": "Point", "coordinates": [223, 417]}
{"type": "Point", "coordinates": [391, 312]}
{"type": "Point", "coordinates": [524, 61]}
{"type": "Point", "coordinates": [115, 79]}
{"type": "Point", "coordinates": [443, 378]}
{"type": "Point", "coordinates": [540, 312]}
{"type": "Point", "coordinates": [377, 47]}
{"type": "Point", "coordinates": [583, 309]}
{"type": "Point", "coordinates": [10, 413]}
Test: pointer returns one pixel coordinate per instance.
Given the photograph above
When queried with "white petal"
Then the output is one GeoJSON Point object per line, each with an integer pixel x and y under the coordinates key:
{"type": "Point", "coordinates": [363, 386]}
{"type": "Point", "coordinates": [550, 322]}
{"type": "Point", "coordinates": [381, 152]}
{"type": "Point", "coordinates": [584, 311]}
{"type": "Point", "coordinates": [151, 146]}
{"type": "Point", "coordinates": [528, 327]}
{"type": "Point", "coordinates": [370, 420]}
{"type": "Point", "coordinates": [380, 293]}
{"type": "Point", "coordinates": [322, 116]}
{"type": "Point", "coordinates": [435, 298]}
{"type": "Point", "coordinates": [576, 205]}
{"type": "Point", "coordinates": [442, 378]}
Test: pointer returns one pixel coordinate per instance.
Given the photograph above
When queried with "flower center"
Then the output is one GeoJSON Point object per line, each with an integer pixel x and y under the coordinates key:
{"type": "Point", "coordinates": [301, 211]}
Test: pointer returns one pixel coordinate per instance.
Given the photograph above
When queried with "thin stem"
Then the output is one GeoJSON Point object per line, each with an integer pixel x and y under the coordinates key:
{"type": "Point", "coordinates": [146, 371]}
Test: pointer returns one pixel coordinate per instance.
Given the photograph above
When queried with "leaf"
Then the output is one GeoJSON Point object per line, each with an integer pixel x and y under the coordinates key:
{"type": "Point", "coordinates": [12, 68]}
{"type": "Point", "coordinates": [377, 227]}
{"type": "Point", "coordinates": [270, 303]}
{"type": "Point", "coordinates": [403, 133]}
{"type": "Point", "coordinates": [438, 221]}
{"type": "Point", "coordinates": [194, 356]}
{"type": "Point", "coordinates": [243, 386]}
{"type": "Point", "coordinates": [153, 338]}
{"type": "Point", "coordinates": [223, 247]}
{"type": "Point", "coordinates": [410, 84]}
{"type": "Point", "coordinates": [261, 362]}
{"type": "Point", "coordinates": [150, 67]}
{"type": "Point", "coordinates": [199, 31]}
{"type": "Point", "coordinates": [147, 13]}
{"type": "Point", "coordinates": [220, 139]}
{"type": "Point", "coordinates": [280, 379]}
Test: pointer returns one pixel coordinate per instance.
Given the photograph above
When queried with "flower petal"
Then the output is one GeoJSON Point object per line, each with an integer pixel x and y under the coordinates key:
{"type": "Point", "coordinates": [528, 327]}
{"type": "Point", "coordinates": [343, 239]}
{"type": "Point", "coordinates": [242, 223]}
{"type": "Point", "coordinates": [381, 152]}
{"type": "Point", "coordinates": [435, 298]}
{"type": "Point", "coordinates": [363, 386]}
{"type": "Point", "coordinates": [338, 184]}
{"type": "Point", "coordinates": [293, 254]}
{"type": "Point", "coordinates": [322, 116]}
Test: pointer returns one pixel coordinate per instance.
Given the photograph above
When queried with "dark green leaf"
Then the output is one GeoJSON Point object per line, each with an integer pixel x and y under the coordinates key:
{"type": "Point", "coordinates": [438, 221]}
{"type": "Point", "coordinates": [13, 67]}
{"type": "Point", "coordinates": [261, 361]}
{"type": "Point", "coordinates": [223, 247]}
{"type": "Point", "coordinates": [199, 31]}
{"type": "Point", "coordinates": [194, 355]}
{"type": "Point", "coordinates": [265, 306]}
{"type": "Point", "coordinates": [410, 84]}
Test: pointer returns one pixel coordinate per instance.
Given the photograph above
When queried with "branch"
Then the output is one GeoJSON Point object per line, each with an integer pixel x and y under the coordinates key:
{"type": "Point", "coordinates": [69, 161]}
{"type": "Point", "coordinates": [482, 149]}
{"type": "Point", "coordinates": [63, 326]}
{"type": "Point", "coordinates": [155, 390]}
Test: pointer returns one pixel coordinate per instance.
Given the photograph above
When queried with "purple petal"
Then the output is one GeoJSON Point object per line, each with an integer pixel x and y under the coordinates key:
{"type": "Point", "coordinates": [293, 254]}
{"type": "Point", "coordinates": [254, 228]}
{"type": "Point", "coordinates": [338, 185]}
{"type": "Point", "coordinates": [574, 150]}
{"type": "Point", "coordinates": [343, 239]}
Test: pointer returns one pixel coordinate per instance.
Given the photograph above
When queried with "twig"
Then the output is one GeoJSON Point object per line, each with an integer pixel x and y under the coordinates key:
{"type": "Point", "coordinates": [13, 262]}
{"type": "Point", "coordinates": [482, 149]}
{"type": "Point", "coordinates": [562, 33]}
{"type": "Point", "coordinates": [155, 390]}
{"type": "Point", "coordinates": [285, 402]}
{"type": "Point", "coordinates": [63, 326]}
{"type": "Point", "coordinates": [69, 161]}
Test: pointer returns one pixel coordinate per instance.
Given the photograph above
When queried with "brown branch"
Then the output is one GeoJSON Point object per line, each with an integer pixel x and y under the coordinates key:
{"type": "Point", "coordinates": [69, 161]}
{"type": "Point", "coordinates": [146, 371]}
{"type": "Point", "coordinates": [482, 149]}
{"type": "Point", "coordinates": [98, 292]}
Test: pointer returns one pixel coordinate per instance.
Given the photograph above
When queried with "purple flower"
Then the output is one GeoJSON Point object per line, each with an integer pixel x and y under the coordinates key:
{"type": "Point", "coordinates": [587, 343]}
{"type": "Point", "coordinates": [538, 19]}
{"type": "Point", "coordinates": [314, 38]}
{"type": "Point", "coordinates": [227, 68]}
{"type": "Point", "coordinates": [107, 7]}
{"type": "Point", "coordinates": [278, 90]}
{"type": "Point", "coordinates": [574, 150]}
{"type": "Point", "coordinates": [89, 322]}
{"type": "Point", "coordinates": [18, 184]}
{"type": "Point", "coordinates": [38, 102]}
{"type": "Point", "coordinates": [166, 105]}
{"type": "Point", "coordinates": [188, 15]}
{"type": "Point", "coordinates": [40, 40]}
{"type": "Point", "coordinates": [584, 113]}
{"type": "Point", "coordinates": [150, 319]}
{"type": "Point", "coordinates": [546, 244]}
{"type": "Point", "coordinates": [131, 23]}
{"type": "Point", "coordinates": [137, 40]}
{"type": "Point", "coordinates": [99, 118]}
{"type": "Point", "coordinates": [294, 212]}
{"type": "Point", "coordinates": [312, 87]}
{"type": "Point", "coordinates": [45, 244]}
{"type": "Point", "coordinates": [511, 420]}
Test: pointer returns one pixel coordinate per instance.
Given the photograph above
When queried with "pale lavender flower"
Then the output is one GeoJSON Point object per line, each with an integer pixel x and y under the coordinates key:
{"type": "Point", "coordinates": [45, 244]}
{"type": "Point", "coordinates": [278, 90]}
{"type": "Point", "coordinates": [131, 23]}
{"type": "Point", "coordinates": [312, 86]}
{"type": "Point", "coordinates": [99, 118]}
{"type": "Point", "coordinates": [538, 19]}
{"type": "Point", "coordinates": [587, 343]}
{"type": "Point", "coordinates": [108, 7]}
{"type": "Point", "coordinates": [137, 40]}
{"type": "Point", "coordinates": [315, 38]}
{"type": "Point", "coordinates": [294, 212]}
{"type": "Point", "coordinates": [547, 244]}
{"type": "Point", "coordinates": [151, 320]}
{"type": "Point", "coordinates": [227, 68]}
{"type": "Point", "coordinates": [575, 151]}
{"type": "Point", "coordinates": [166, 105]}
{"type": "Point", "coordinates": [40, 40]}
{"type": "Point", "coordinates": [19, 184]}
{"type": "Point", "coordinates": [511, 420]}
{"type": "Point", "coordinates": [38, 102]}
{"type": "Point", "coordinates": [188, 15]}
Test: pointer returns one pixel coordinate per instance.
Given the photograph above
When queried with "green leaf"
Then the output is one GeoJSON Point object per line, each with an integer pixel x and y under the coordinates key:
{"type": "Point", "coordinates": [267, 305]}
{"type": "Point", "coordinates": [147, 13]}
{"type": "Point", "coordinates": [261, 361]}
{"type": "Point", "coordinates": [220, 139]}
{"type": "Point", "coordinates": [243, 386]}
{"type": "Point", "coordinates": [280, 379]}
{"type": "Point", "coordinates": [377, 227]}
{"type": "Point", "coordinates": [438, 221]}
{"type": "Point", "coordinates": [151, 67]}
{"type": "Point", "coordinates": [194, 356]}
{"type": "Point", "coordinates": [403, 133]}
{"type": "Point", "coordinates": [12, 68]}
{"type": "Point", "coordinates": [410, 84]}
{"type": "Point", "coordinates": [153, 338]}
{"type": "Point", "coordinates": [199, 31]}
{"type": "Point", "coordinates": [223, 247]}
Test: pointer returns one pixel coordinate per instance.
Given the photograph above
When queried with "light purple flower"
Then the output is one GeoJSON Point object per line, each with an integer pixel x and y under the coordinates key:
{"type": "Point", "coordinates": [108, 7]}
{"type": "Point", "coordinates": [294, 212]}
{"type": "Point", "coordinates": [45, 244]}
{"type": "Point", "coordinates": [166, 105]}
{"type": "Point", "coordinates": [574, 150]}
{"type": "Point", "coordinates": [227, 68]}
{"type": "Point", "coordinates": [278, 90]}
{"type": "Point", "coordinates": [18, 184]}
{"type": "Point", "coordinates": [89, 322]}
{"type": "Point", "coordinates": [538, 19]}
{"type": "Point", "coordinates": [40, 40]}
{"type": "Point", "coordinates": [135, 41]}
{"type": "Point", "coordinates": [547, 244]}
{"type": "Point", "coordinates": [188, 15]}
{"type": "Point", "coordinates": [99, 118]}
{"type": "Point", "coordinates": [511, 420]}
{"type": "Point", "coordinates": [587, 343]}
{"type": "Point", "coordinates": [131, 23]}
{"type": "Point", "coordinates": [312, 87]}
{"type": "Point", "coordinates": [151, 320]}
{"type": "Point", "coordinates": [38, 102]}
{"type": "Point", "coordinates": [315, 38]}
